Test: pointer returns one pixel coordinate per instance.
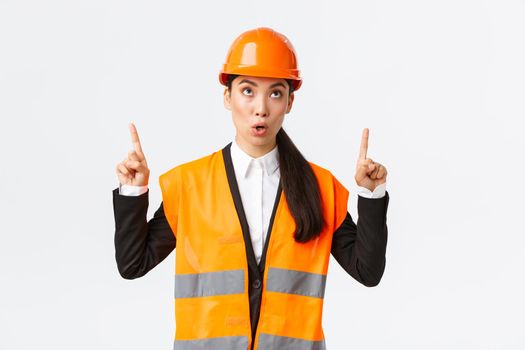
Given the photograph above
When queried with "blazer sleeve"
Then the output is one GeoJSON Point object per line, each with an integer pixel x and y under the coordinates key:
{"type": "Point", "coordinates": [140, 245]}
{"type": "Point", "coordinates": [360, 249]}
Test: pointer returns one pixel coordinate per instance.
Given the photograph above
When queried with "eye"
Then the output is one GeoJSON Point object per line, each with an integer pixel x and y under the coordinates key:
{"type": "Point", "coordinates": [276, 93]}
{"type": "Point", "coordinates": [247, 91]}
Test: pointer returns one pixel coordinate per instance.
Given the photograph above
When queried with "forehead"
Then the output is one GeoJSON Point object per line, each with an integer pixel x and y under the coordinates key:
{"type": "Point", "coordinates": [258, 81]}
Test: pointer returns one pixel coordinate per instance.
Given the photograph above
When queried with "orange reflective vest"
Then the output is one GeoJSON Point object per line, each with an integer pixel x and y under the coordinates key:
{"type": "Point", "coordinates": [212, 309]}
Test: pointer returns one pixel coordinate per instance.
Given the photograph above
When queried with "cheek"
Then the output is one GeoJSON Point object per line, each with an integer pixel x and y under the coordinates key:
{"type": "Point", "coordinates": [240, 106]}
{"type": "Point", "coordinates": [240, 114]}
{"type": "Point", "coordinates": [279, 107]}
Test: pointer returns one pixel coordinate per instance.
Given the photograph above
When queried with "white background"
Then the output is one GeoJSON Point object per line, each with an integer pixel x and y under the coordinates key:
{"type": "Point", "coordinates": [440, 84]}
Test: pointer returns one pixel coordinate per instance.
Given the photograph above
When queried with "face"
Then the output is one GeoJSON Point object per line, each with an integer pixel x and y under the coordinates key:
{"type": "Point", "coordinates": [258, 107]}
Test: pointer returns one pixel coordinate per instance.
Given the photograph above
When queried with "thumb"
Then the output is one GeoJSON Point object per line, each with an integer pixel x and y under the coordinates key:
{"type": "Point", "coordinates": [364, 169]}
{"type": "Point", "coordinates": [136, 165]}
{"type": "Point", "coordinates": [362, 172]}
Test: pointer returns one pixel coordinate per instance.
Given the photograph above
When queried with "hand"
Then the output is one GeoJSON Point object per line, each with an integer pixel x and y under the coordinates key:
{"type": "Point", "coordinates": [133, 170]}
{"type": "Point", "coordinates": [368, 173]}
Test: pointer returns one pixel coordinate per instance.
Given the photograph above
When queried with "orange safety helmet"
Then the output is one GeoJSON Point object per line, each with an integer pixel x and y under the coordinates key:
{"type": "Point", "coordinates": [262, 52]}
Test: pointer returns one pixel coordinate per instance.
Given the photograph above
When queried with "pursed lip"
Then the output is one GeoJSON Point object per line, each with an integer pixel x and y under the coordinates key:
{"type": "Point", "coordinates": [260, 124]}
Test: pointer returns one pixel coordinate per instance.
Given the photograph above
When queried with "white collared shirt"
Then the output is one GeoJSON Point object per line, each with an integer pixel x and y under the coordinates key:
{"type": "Point", "coordinates": [257, 179]}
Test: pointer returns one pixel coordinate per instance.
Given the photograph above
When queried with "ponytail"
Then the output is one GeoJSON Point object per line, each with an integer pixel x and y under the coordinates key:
{"type": "Point", "coordinates": [300, 187]}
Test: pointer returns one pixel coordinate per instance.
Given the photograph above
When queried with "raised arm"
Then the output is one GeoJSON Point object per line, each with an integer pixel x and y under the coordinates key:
{"type": "Point", "coordinates": [360, 249]}
{"type": "Point", "coordinates": [139, 245]}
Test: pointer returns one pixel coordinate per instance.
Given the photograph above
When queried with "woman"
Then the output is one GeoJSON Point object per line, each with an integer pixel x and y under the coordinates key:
{"type": "Point", "coordinates": [254, 222]}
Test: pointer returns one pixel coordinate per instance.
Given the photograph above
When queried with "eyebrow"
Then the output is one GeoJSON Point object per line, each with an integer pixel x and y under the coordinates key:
{"type": "Point", "coordinates": [254, 84]}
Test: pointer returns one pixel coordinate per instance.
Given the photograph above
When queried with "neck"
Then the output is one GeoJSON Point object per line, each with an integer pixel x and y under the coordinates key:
{"type": "Point", "coordinates": [255, 151]}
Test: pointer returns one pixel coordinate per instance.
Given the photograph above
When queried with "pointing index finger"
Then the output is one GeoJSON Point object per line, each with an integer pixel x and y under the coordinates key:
{"type": "Point", "coordinates": [364, 144]}
{"type": "Point", "coordinates": [135, 138]}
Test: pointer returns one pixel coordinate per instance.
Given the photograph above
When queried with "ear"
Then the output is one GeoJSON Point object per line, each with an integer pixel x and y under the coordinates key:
{"type": "Point", "coordinates": [227, 102]}
{"type": "Point", "coordinates": [290, 103]}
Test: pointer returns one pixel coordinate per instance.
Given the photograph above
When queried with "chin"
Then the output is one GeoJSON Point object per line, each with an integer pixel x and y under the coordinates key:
{"type": "Point", "coordinates": [261, 140]}
{"type": "Point", "coordinates": [257, 142]}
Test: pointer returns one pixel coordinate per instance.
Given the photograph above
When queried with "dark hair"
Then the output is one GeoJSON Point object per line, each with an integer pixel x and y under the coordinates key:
{"type": "Point", "coordinates": [299, 184]}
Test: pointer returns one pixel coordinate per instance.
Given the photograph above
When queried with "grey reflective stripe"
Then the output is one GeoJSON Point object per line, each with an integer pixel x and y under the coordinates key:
{"type": "Point", "coordinates": [222, 343]}
{"type": "Point", "coordinates": [296, 282]}
{"type": "Point", "coordinates": [209, 283]}
{"type": "Point", "coordinates": [268, 341]}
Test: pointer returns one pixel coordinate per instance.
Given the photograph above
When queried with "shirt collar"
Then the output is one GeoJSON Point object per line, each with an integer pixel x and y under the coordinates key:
{"type": "Point", "coordinates": [242, 161]}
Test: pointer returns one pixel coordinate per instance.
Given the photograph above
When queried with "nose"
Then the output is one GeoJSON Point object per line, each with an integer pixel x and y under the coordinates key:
{"type": "Point", "coordinates": [261, 107]}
